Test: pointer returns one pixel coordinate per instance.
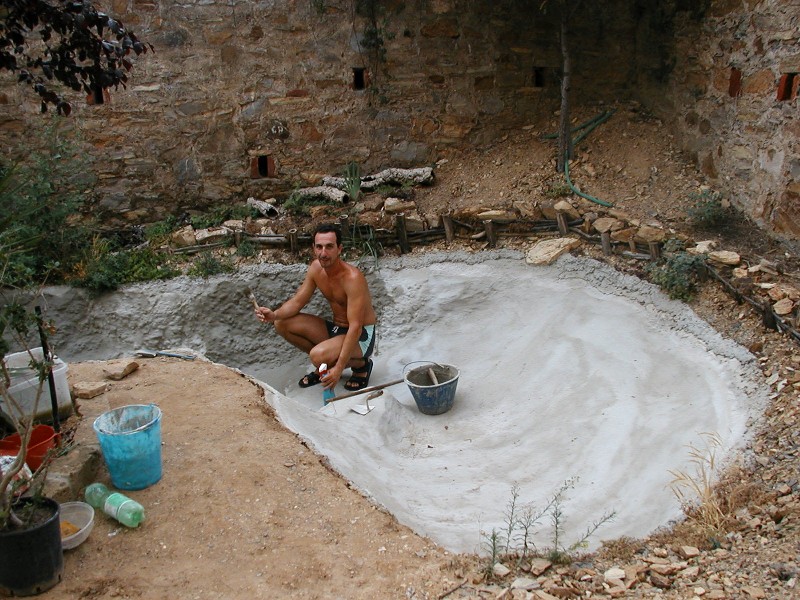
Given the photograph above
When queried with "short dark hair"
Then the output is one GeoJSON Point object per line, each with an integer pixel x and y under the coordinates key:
{"type": "Point", "coordinates": [327, 228]}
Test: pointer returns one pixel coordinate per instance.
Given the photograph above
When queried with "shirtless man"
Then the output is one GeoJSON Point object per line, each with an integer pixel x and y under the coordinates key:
{"type": "Point", "coordinates": [347, 340]}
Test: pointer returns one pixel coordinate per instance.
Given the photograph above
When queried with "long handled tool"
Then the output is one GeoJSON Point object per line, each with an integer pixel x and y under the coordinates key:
{"type": "Point", "coordinates": [364, 390]}
{"type": "Point", "coordinates": [154, 353]}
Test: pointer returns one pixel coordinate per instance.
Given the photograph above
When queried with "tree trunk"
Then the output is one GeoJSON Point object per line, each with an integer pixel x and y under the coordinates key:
{"type": "Point", "coordinates": [564, 137]}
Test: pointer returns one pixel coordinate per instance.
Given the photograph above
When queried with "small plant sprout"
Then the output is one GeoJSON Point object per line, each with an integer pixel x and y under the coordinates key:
{"type": "Point", "coordinates": [694, 488]}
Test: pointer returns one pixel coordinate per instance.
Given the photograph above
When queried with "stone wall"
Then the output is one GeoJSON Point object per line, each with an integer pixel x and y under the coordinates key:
{"type": "Point", "coordinates": [257, 98]}
{"type": "Point", "coordinates": [734, 88]}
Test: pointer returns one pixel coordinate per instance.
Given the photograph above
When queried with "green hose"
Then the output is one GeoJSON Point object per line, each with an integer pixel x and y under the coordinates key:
{"type": "Point", "coordinates": [589, 126]}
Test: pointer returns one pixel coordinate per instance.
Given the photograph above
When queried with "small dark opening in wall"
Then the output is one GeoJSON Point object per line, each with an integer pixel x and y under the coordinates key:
{"type": "Point", "coordinates": [735, 83]}
{"type": "Point", "coordinates": [359, 78]}
{"type": "Point", "coordinates": [787, 87]}
{"type": "Point", "coordinates": [262, 166]}
{"type": "Point", "coordinates": [97, 96]}
{"type": "Point", "coordinates": [538, 77]}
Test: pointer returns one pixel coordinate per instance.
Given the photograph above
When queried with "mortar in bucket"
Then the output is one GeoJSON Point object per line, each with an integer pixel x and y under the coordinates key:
{"type": "Point", "coordinates": [433, 398]}
{"type": "Point", "coordinates": [130, 440]}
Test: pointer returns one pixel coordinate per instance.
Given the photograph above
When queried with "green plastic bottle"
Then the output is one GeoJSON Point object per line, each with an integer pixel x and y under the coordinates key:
{"type": "Point", "coordinates": [118, 506]}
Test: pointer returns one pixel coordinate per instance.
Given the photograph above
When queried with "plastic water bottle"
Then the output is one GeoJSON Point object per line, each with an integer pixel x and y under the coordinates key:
{"type": "Point", "coordinates": [118, 506]}
{"type": "Point", "coordinates": [327, 394]}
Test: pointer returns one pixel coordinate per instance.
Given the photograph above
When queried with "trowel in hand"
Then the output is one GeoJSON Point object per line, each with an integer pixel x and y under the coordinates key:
{"type": "Point", "coordinates": [154, 353]}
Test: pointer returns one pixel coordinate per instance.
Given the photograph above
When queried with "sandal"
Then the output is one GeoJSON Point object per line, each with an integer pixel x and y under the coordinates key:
{"type": "Point", "coordinates": [359, 382]}
{"type": "Point", "coordinates": [309, 379]}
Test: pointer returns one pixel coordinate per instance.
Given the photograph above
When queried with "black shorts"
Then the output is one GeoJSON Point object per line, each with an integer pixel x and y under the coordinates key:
{"type": "Point", "coordinates": [366, 341]}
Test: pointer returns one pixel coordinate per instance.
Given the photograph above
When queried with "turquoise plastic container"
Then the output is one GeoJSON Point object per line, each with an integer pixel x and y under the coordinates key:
{"type": "Point", "coordinates": [130, 439]}
{"type": "Point", "coordinates": [433, 399]}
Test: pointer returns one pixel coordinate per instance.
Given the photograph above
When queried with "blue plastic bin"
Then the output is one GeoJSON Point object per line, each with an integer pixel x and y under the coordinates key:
{"type": "Point", "coordinates": [130, 439]}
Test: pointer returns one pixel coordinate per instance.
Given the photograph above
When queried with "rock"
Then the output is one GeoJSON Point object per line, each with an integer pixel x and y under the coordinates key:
{"type": "Point", "coordinates": [754, 592]}
{"type": "Point", "coordinates": [648, 233]}
{"type": "Point", "coordinates": [660, 581]}
{"type": "Point", "coordinates": [546, 251]}
{"type": "Point", "coordinates": [496, 215]}
{"type": "Point", "coordinates": [783, 307]}
{"type": "Point", "coordinates": [89, 389]}
{"type": "Point", "coordinates": [524, 583]}
{"type": "Point", "coordinates": [624, 235]}
{"type": "Point", "coordinates": [120, 369]}
{"type": "Point", "coordinates": [397, 205]}
{"type": "Point", "coordinates": [604, 224]}
{"type": "Point", "coordinates": [567, 208]}
{"type": "Point", "coordinates": [703, 247]}
{"type": "Point", "coordinates": [183, 237]}
{"type": "Point", "coordinates": [725, 257]}
{"type": "Point", "coordinates": [234, 224]}
{"type": "Point", "coordinates": [500, 570]}
{"type": "Point", "coordinates": [782, 290]}
{"type": "Point", "coordinates": [614, 573]}
{"type": "Point", "coordinates": [539, 566]}
{"type": "Point", "coordinates": [688, 551]}
{"type": "Point", "coordinates": [212, 234]}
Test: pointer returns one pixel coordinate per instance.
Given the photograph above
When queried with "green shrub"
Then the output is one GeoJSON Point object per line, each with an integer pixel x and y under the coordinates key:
{"type": "Point", "coordinates": [39, 198]}
{"type": "Point", "coordinates": [707, 210]}
{"type": "Point", "coordinates": [106, 268]}
{"type": "Point", "coordinates": [217, 215]}
{"type": "Point", "coordinates": [677, 274]}
{"type": "Point", "coordinates": [208, 264]}
{"type": "Point", "coordinates": [299, 205]}
{"type": "Point", "coordinates": [246, 249]}
{"type": "Point", "coordinates": [160, 231]}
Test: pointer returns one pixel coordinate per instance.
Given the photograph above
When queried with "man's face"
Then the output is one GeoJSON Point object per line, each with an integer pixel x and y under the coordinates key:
{"type": "Point", "coordinates": [325, 248]}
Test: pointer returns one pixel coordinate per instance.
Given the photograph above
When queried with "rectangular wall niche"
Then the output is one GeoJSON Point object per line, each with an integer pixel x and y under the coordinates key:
{"type": "Point", "coordinates": [537, 77]}
{"type": "Point", "coordinates": [262, 166]}
{"type": "Point", "coordinates": [735, 83]}
{"type": "Point", "coordinates": [360, 78]}
{"type": "Point", "coordinates": [787, 87]}
{"type": "Point", "coordinates": [98, 95]}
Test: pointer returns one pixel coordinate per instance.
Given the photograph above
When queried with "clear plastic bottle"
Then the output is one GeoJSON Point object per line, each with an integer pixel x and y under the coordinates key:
{"type": "Point", "coordinates": [327, 394]}
{"type": "Point", "coordinates": [118, 506]}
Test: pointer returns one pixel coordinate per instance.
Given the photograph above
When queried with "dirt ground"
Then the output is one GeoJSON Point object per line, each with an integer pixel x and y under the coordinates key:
{"type": "Point", "coordinates": [245, 510]}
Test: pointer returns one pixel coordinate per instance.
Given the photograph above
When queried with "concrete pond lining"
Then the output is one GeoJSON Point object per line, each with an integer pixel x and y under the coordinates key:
{"type": "Point", "coordinates": [572, 376]}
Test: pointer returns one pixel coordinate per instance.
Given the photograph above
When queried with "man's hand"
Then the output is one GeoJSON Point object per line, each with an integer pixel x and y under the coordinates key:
{"type": "Point", "coordinates": [331, 377]}
{"type": "Point", "coordinates": [265, 314]}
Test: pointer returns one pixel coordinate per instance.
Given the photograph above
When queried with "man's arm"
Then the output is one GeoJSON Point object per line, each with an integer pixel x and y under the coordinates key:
{"type": "Point", "coordinates": [294, 304]}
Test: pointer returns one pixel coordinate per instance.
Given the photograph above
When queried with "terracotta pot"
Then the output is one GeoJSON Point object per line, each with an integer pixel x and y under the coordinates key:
{"type": "Point", "coordinates": [32, 560]}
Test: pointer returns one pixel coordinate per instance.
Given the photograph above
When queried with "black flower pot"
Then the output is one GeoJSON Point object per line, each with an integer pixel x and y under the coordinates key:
{"type": "Point", "coordinates": [32, 560]}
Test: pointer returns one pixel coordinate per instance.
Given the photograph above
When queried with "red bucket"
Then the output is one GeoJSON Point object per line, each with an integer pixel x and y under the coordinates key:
{"type": "Point", "coordinates": [43, 438]}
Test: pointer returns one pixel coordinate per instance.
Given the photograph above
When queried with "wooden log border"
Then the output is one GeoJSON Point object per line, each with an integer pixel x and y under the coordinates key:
{"type": "Point", "coordinates": [491, 229]}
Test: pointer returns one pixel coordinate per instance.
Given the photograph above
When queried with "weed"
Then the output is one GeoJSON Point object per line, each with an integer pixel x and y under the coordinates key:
{"type": "Point", "coordinates": [217, 215]}
{"type": "Point", "coordinates": [521, 521]}
{"type": "Point", "coordinates": [677, 274]}
{"type": "Point", "coordinates": [301, 205]}
{"type": "Point", "coordinates": [361, 239]}
{"type": "Point", "coordinates": [105, 268]}
{"type": "Point", "coordinates": [159, 232]}
{"type": "Point", "coordinates": [352, 182]}
{"type": "Point", "coordinates": [695, 489]}
{"type": "Point", "coordinates": [208, 264]}
{"type": "Point", "coordinates": [558, 189]}
{"type": "Point", "coordinates": [246, 249]}
{"type": "Point", "coordinates": [708, 210]}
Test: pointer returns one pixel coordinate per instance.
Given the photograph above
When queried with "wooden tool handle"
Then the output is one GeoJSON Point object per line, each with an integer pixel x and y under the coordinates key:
{"type": "Point", "coordinates": [365, 390]}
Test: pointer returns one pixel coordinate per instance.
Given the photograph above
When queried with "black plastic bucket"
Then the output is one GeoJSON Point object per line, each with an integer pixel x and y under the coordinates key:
{"type": "Point", "coordinates": [431, 398]}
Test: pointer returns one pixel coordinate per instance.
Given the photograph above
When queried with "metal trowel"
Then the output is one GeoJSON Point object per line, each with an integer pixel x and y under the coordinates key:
{"type": "Point", "coordinates": [363, 410]}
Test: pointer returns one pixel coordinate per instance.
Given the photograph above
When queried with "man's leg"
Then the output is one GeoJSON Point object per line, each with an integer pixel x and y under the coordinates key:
{"type": "Point", "coordinates": [303, 331]}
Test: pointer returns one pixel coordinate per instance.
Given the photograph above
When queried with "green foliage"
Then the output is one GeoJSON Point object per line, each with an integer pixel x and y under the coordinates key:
{"type": "Point", "coordinates": [352, 182]}
{"type": "Point", "coordinates": [677, 274]}
{"type": "Point", "coordinates": [246, 249]}
{"type": "Point", "coordinates": [159, 232]}
{"type": "Point", "coordinates": [708, 211]}
{"type": "Point", "coordinates": [361, 240]}
{"type": "Point", "coordinates": [106, 268]}
{"type": "Point", "coordinates": [39, 199]}
{"type": "Point", "coordinates": [301, 205]}
{"type": "Point", "coordinates": [208, 265]}
{"type": "Point", "coordinates": [558, 189]}
{"type": "Point", "coordinates": [217, 215]}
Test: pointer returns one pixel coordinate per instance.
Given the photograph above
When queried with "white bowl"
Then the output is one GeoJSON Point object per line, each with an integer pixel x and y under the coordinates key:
{"type": "Point", "coordinates": [81, 515]}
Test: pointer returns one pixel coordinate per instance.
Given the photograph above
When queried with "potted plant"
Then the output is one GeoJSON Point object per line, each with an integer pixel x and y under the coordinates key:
{"type": "Point", "coordinates": [31, 556]}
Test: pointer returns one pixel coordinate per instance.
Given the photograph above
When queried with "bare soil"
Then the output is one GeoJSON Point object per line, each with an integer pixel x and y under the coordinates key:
{"type": "Point", "coordinates": [246, 510]}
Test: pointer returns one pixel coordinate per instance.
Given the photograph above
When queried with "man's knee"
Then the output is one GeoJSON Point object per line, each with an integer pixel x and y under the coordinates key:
{"type": "Point", "coordinates": [282, 327]}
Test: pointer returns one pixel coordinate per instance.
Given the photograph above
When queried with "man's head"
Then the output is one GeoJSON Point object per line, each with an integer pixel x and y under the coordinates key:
{"type": "Point", "coordinates": [327, 244]}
